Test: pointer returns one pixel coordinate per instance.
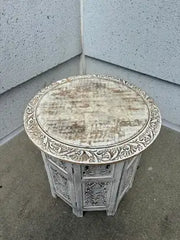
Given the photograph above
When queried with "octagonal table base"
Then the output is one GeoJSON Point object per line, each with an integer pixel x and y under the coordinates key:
{"type": "Point", "coordinates": [90, 187]}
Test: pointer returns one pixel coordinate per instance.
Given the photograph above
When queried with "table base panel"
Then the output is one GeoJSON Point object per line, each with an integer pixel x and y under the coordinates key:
{"type": "Point", "coordinates": [90, 187]}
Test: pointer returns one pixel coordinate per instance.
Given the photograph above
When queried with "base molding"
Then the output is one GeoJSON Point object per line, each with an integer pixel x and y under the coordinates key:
{"type": "Point", "coordinates": [11, 135]}
{"type": "Point", "coordinates": [171, 125]}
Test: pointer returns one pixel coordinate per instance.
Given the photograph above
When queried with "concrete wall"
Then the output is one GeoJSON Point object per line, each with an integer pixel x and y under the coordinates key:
{"type": "Point", "coordinates": [13, 102]}
{"type": "Point", "coordinates": [142, 38]}
{"type": "Point", "coordinates": [36, 36]}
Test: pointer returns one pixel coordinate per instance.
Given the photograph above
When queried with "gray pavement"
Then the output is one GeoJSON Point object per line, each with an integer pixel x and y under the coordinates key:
{"type": "Point", "coordinates": [150, 210]}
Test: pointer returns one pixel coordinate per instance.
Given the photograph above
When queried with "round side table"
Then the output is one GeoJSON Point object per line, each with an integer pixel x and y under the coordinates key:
{"type": "Point", "coordinates": [91, 131]}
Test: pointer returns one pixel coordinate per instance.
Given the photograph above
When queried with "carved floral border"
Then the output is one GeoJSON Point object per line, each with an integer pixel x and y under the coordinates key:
{"type": "Point", "coordinates": [101, 155]}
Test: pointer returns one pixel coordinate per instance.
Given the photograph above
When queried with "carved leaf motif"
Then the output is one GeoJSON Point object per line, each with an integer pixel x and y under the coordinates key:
{"type": "Point", "coordinates": [58, 162]}
{"type": "Point", "coordinates": [60, 183]}
{"type": "Point", "coordinates": [95, 193]}
{"type": "Point", "coordinates": [103, 155]}
{"type": "Point", "coordinates": [98, 170]}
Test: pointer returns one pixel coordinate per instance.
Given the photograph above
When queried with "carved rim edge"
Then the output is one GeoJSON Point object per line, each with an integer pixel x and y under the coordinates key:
{"type": "Point", "coordinates": [85, 155]}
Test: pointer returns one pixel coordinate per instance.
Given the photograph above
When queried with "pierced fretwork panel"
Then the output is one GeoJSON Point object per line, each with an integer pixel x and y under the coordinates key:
{"type": "Point", "coordinates": [128, 173]}
{"type": "Point", "coordinates": [61, 183]}
{"type": "Point", "coordinates": [96, 193]}
{"type": "Point", "coordinates": [97, 171]}
{"type": "Point", "coordinates": [62, 164]}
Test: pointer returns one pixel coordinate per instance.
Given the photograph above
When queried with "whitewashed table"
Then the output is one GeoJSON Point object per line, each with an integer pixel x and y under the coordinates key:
{"type": "Point", "coordinates": [91, 131]}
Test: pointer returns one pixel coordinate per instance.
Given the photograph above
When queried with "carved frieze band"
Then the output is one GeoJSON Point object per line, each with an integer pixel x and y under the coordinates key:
{"type": "Point", "coordinates": [91, 156]}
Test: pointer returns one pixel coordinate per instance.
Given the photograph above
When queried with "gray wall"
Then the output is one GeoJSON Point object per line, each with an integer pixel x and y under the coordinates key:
{"type": "Point", "coordinates": [13, 102]}
{"type": "Point", "coordinates": [36, 36]}
{"type": "Point", "coordinates": [140, 35]}
{"type": "Point", "coordinates": [139, 41]}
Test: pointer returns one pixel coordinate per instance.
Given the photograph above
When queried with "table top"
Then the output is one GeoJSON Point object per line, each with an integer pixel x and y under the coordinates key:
{"type": "Point", "coordinates": [92, 119]}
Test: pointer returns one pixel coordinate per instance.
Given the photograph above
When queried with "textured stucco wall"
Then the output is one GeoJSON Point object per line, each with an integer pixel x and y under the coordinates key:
{"type": "Point", "coordinates": [13, 102]}
{"type": "Point", "coordinates": [36, 36]}
{"type": "Point", "coordinates": [140, 35]}
{"type": "Point", "coordinates": [165, 94]}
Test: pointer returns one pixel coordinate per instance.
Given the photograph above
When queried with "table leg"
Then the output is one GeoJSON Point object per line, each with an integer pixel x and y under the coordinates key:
{"type": "Point", "coordinates": [53, 192]}
{"type": "Point", "coordinates": [118, 168]}
{"type": "Point", "coordinates": [78, 204]}
{"type": "Point", "coordinates": [78, 213]}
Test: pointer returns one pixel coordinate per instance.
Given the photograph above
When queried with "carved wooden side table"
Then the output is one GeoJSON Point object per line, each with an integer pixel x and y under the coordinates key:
{"type": "Point", "coordinates": [91, 131]}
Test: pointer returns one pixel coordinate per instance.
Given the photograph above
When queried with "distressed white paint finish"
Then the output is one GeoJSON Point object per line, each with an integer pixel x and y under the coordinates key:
{"type": "Point", "coordinates": [91, 130]}
{"type": "Point", "coordinates": [90, 187]}
{"type": "Point", "coordinates": [92, 112]}
{"type": "Point", "coordinates": [92, 119]}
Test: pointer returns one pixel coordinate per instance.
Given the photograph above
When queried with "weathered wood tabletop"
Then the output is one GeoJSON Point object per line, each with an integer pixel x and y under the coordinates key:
{"type": "Point", "coordinates": [92, 119]}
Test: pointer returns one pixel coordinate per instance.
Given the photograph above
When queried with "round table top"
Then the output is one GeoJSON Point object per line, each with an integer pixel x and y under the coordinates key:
{"type": "Point", "coordinates": [92, 119]}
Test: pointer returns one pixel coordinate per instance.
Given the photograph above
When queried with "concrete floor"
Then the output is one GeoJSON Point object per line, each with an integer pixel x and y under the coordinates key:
{"type": "Point", "coordinates": [150, 210]}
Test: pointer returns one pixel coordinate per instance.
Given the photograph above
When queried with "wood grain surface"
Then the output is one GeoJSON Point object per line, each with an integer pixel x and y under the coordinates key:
{"type": "Point", "coordinates": [92, 112]}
